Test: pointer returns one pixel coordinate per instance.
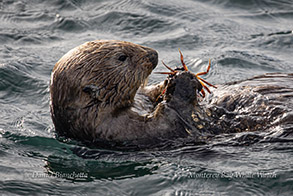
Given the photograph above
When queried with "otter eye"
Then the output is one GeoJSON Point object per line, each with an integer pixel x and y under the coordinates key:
{"type": "Point", "coordinates": [122, 58]}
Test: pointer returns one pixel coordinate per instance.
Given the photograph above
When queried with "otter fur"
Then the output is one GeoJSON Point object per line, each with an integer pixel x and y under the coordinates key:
{"type": "Point", "coordinates": [99, 96]}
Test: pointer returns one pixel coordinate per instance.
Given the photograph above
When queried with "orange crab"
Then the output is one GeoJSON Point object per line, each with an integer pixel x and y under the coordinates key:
{"type": "Point", "coordinates": [202, 81]}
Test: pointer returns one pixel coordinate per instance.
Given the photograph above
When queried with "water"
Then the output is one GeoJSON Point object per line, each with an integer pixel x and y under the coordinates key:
{"type": "Point", "coordinates": [242, 38]}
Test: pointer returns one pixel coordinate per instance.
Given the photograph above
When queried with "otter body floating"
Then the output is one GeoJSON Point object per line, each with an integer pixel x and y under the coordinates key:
{"type": "Point", "coordinates": [98, 96]}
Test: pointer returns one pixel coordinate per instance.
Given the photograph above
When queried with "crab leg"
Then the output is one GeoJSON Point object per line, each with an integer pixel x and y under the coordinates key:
{"type": "Point", "coordinates": [208, 69]}
{"type": "Point", "coordinates": [202, 81]}
{"type": "Point", "coordinates": [203, 93]}
{"type": "Point", "coordinates": [162, 93]}
{"type": "Point", "coordinates": [168, 67]}
{"type": "Point", "coordinates": [206, 82]}
{"type": "Point", "coordinates": [181, 58]}
{"type": "Point", "coordinates": [205, 86]}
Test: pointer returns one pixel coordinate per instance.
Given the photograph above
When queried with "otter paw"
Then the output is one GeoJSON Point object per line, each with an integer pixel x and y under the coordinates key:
{"type": "Point", "coordinates": [184, 86]}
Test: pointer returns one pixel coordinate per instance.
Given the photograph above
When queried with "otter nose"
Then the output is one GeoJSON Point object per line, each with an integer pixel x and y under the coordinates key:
{"type": "Point", "coordinates": [153, 58]}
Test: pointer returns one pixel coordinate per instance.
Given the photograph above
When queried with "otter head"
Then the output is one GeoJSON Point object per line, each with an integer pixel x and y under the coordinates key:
{"type": "Point", "coordinates": [101, 75]}
{"type": "Point", "coordinates": [108, 71]}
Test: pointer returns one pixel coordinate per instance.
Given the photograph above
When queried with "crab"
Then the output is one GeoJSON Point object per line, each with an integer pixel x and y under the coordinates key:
{"type": "Point", "coordinates": [184, 68]}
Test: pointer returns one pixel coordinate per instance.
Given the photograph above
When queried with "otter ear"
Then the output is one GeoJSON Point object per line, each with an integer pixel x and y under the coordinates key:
{"type": "Point", "coordinates": [92, 90]}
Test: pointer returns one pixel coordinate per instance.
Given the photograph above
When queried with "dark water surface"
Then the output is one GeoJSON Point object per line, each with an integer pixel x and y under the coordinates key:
{"type": "Point", "coordinates": [243, 38]}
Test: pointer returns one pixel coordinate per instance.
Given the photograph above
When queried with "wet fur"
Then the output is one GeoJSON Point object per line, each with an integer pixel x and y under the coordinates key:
{"type": "Point", "coordinates": [102, 101]}
{"type": "Point", "coordinates": [95, 96]}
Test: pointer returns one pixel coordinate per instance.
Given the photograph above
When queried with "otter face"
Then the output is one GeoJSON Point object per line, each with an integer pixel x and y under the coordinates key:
{"type": "Point", "coordinates": [110, 72]}
{"type": "Point", "coordinates": [121, 70]}
{"type": "Point", "coordinates": [127, 55]}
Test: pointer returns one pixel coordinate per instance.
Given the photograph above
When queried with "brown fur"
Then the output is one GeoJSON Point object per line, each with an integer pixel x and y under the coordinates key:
{"type": "Point", "coordinates": [97, 97]}
{"type": "Point", "coordinates": [92, 95]}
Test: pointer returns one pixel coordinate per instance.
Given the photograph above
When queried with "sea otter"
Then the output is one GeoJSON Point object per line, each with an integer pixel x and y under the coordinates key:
{"type": "Point", "coordinates": [98, 95]}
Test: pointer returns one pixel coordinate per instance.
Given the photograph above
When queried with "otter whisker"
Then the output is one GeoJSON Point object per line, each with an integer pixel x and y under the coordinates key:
{"type": "Point", "coordinates": [145, 82]}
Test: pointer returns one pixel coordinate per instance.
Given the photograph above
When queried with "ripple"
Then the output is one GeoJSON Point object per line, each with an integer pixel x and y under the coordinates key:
{"type": "Point", "coordinates": [20, 37]}
{"type": "Point", "coordinates": [243, 38]}
{"type": "Point", "coordinates": [69, 24]}
{"type": "Point", "coordinates": [16, 84]}
{"type": "Point", "coordinates": [104, 167]}
{"type": "Point", "coordinates": [129, 23]}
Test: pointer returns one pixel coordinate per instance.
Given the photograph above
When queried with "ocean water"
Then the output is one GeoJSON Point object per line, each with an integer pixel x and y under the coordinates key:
{"type": "Point", "coordinates": [243, 38]}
